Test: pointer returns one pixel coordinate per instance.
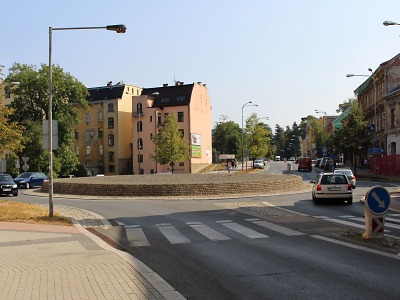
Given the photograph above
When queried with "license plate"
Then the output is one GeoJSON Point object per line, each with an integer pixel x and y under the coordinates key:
{"type": "Point", "coordinates": [6, 190]}
{"type": "Point", "coordinates": [334, 188]}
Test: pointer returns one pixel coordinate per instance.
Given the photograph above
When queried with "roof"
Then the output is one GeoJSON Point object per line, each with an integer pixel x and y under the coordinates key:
{"type": "Point", "coordinates": [106, 93]}
{"type": "Point", "coordinates": [337, 123]}
{"type": "Point", "coordinates": [175, 95]}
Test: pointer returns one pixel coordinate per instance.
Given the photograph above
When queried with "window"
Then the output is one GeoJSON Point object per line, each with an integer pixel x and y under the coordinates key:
{"type": "Point", "coordinates": [181, 98]}
{"type": "Point", "coordinates": [182, 132]}
{"type": "Point", "coordinates": [140, 158]}
{"type": "Point", "coordinates": [87, 149]}
{"type": "Point", "coordinates": [151, 119]}
{"type": "Point", "coordinates": [163, 100]}
{"type": "Point", "coordinates": [100, 132]}
{"type": "Point", "coordinates": [180, 116]}
{"type": "Point", "coordinates": [181, 164]}
{"type": "Point", "coordinates": [151, 135]}
{"type": "Point", "coordinates": [139, 126]}
{"type": "Point", "coordinates": [87, 117]}
{"type": "Point", "coordinates": [110, 107]}
{"type": "Point", "coordinates": [392, 118]}
{"type": "Point", "coordinates": [165, 115]}
{"type": "Point", "coordinates": [140, 143]}
{"type": "Point", "coordinates": [88, 163]}
{"type": "Point", "coordinates": [100, 115]}
{"type": "Point", "coordinates": [159, 119]}
{"type": "Point", "coordinates": [110, 122]}
{"type": "Point", "coordinates": [101, 150]}
{"type": "Point", "coordinates": [111, 156]}
{"type": "Point", "coordinates": [139, 109]}
{"type": "Point", "coordinates": [77, 150]}
{"type": "Point", "coordinates": [111, 168]}
{"type": "Point", "coordinates": [111, 139]}
{"type": "Point", "coordinates": [76, 134]}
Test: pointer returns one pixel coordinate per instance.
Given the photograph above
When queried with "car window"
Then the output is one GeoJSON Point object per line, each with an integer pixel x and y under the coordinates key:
{"type": "Point", "coordinates": [25, 175]}
{"type": "Point", "coordinates": [5, 178]}
{"type": "Point", "coordinates": [333, 179]}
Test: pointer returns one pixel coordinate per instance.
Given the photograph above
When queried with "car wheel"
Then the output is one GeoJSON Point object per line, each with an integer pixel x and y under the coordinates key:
{"type": "Point", "coordinates": [27, 186]}
{"type": "Point", "coordinates": [353, 186]}
{"type": "Point", "coordinates": [15, 193]}
{"type": "Point", "coordinates": [350, 201]}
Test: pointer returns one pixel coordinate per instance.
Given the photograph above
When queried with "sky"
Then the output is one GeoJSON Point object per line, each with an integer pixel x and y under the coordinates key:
{"type": "Point", "coordinates": [288, 57]}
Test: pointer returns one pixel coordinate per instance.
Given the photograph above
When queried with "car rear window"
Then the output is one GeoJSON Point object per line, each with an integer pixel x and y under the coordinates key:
{"type": "Point", "coordinates": [333, 179]}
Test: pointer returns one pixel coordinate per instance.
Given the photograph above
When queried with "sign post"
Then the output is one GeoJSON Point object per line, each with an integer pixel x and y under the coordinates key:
{"type": "Point", "coordinates": [377, 202]}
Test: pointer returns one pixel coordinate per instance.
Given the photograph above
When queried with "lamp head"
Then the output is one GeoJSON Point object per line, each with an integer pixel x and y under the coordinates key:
{"type": "Point", "coordinates": [120, 28]}
{"type": "Point", "coordinates": [349, 75]}
{"type": "Point", "coordinates": [369, 69]}
{"type": "Point", "coordinates": [388, 23]}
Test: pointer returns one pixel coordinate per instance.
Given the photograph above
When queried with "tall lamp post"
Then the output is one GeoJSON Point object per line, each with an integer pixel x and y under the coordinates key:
{"type": "Point", "coordinates": [246, 104]}
{"type": "Point", "coordinates": [117, 28]}
{"type": "Point", "coordinates": [375, 135]}
{"type": "Point", "coordinates": [323, 124]}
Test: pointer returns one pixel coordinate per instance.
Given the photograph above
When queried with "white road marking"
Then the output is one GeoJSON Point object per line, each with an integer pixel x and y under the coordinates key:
{"type": "Point", "coordinates": [278, 228]}
{"type": "Point", "coordinates": [244, 230]}
{"type": "Point", "coordinates": [172, 234]}
{"type": "Point", "coordinates": [136, 237]}
{"type": "Point", "coordinates": [356, 247]}
{"type": "Point", "coordinates": [208, 232]}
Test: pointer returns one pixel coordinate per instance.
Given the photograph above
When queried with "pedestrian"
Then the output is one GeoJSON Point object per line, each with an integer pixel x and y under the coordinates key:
{"type": "Point", "coordinates": [228, 166]}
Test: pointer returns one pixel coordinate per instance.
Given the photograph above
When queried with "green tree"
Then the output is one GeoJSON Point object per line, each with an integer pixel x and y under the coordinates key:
{"type": "Point", "coordinates": [31, 107]}
{"type": "Point", "coordinates": [227, 137]}
{"type": "Point", "coordinates": [259, 137]}
{"type": "Point", "coordinates": [170, 146]}
{"type": "Point", "coordinates": [11, 132]}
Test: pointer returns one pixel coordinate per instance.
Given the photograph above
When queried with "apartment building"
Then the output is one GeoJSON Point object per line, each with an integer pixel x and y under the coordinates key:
{"type": "Point", "coordinates": [103, 138]}
{"type": "Point", "coordinates": [191, 104]}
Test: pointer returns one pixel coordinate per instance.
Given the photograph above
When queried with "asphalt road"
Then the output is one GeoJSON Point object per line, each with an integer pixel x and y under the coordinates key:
{"type": "Point", "coordinates": [275, 247]}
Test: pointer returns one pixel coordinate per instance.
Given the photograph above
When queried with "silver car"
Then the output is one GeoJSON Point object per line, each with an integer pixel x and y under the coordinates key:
{"type": "Point", "coordinates": [332, 186]}
{"type": "Point", "coordinates": [349, 174]}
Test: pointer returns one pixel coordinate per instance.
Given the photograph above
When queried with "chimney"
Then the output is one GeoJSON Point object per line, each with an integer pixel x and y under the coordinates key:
{"type": "Point", "coordinates": [109, 83]}
{"type": "Point", "coordinates": [165, 84]}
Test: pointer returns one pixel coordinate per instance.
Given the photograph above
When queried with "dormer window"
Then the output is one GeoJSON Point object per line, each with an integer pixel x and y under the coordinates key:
{"type": "Point", "coordinates": [181, 98]}
{"type": "Point", "coordinates": [166, 99]}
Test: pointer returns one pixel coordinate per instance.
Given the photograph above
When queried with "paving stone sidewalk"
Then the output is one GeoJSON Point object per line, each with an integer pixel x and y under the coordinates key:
{"type": "Point", "coordinates": [68, 262]}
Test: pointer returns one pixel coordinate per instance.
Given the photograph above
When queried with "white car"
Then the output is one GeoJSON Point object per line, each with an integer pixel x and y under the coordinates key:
{"type": "Point", "coordinates": [258, 164]}
{"type": "Point", "coordinates": [332, 186]}
{"type": "Point", "coordinates": [349, 174]}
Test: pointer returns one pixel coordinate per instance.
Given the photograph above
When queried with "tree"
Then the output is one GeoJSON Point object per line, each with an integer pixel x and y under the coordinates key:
{"type": "Point", "coordinates": [31, 107]}
{"type": "Point", "coordinates": [11, 139]}
{"type": "Point", "coordinates": [259, 137]}
{"type": "Point", "coordinates": [227, 137]}
{"type": "Point", "coordinates": [170, 146]}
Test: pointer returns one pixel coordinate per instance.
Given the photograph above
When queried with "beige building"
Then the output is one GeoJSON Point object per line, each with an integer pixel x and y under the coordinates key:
{"type": "Point", "coordinates": [103, 138]}
{"type": "Point", "coordinates": [114, 136]}
{"type": "Point", "coordinates": [191, 104]}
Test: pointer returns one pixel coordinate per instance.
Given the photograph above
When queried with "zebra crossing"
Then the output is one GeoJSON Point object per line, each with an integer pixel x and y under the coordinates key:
{"type": "Point", "coordinates": [392, 221]}
{"type": "Point", "coordinates": [137, 237]}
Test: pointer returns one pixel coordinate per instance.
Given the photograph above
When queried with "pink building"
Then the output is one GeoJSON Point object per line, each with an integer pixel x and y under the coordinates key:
{"type": "Point", "coordinates": [191, 104]}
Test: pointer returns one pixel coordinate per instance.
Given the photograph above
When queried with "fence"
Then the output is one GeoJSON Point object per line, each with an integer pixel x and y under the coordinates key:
{"type": "Point", "coordinates": [387, 165]}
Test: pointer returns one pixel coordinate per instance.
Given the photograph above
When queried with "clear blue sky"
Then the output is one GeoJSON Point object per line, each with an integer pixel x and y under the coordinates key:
{"type": "Point", "coordinates": [290, 57]}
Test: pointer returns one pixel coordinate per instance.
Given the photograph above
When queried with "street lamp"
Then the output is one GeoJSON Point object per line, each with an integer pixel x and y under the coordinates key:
{"type": "Point", "coordinates": [389, 23]}
{"type": "Point", "coordinates": [373, 79]}
{"type": "Point", "coordinates": [117, 28]}
{"type": "Point", "coordinates": [246, 104]}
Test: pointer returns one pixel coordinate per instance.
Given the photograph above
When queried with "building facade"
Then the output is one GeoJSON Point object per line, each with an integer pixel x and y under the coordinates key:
{"type": "Point", "coordinates": [103, 138]}
{"type": "Point", "coordinates": [191, 104]}
{"type": "Point", "coordinates": [114, 136]}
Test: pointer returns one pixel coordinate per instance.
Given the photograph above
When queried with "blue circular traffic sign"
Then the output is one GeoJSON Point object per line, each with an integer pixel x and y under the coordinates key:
{"type": "Point", "coordinates": [377, 200]}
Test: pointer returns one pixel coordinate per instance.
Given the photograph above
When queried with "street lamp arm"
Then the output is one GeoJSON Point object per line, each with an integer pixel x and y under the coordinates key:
{"type": "Point", "coordinates": [120, 28]}
{"type": "Point", "coordinates": [389, 23]}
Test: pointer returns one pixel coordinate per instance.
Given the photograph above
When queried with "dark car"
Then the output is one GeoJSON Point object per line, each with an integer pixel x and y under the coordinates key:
{"type": "Point", "coordinates": [30, 179]}
{"type": "Point", "coordinates": [304, 164]}
{"type": "Point", "coordinates": [7, 185]}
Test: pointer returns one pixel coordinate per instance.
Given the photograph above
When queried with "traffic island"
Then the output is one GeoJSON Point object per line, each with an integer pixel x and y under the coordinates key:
{"type": "Point", "coordinates": [182, 185]}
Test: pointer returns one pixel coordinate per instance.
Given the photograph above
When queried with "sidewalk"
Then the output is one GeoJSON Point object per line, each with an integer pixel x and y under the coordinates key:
{"type": "Point", "coordinates": [68, 262]}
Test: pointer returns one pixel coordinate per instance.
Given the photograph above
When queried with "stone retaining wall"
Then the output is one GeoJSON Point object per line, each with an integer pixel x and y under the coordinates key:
{"type": "Point", "coordinates": [174, 185]}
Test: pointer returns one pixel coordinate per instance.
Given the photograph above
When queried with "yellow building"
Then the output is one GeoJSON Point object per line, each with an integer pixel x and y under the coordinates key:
{"type": "Point", "coordinates": [103, 138]}
{"type": "Point", "coordinates": [191, 104]}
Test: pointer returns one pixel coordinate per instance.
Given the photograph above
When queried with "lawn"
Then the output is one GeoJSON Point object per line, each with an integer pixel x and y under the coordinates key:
{"type": "Point", "coordinates": [27, 213]}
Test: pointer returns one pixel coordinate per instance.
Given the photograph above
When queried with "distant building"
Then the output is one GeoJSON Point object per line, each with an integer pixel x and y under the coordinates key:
{"type": "Point", "coordinates": [103, 138]}
{"type": "Point", "coordinates": [114, 136]}
{"type": "Point", "coordinates": [191, 104]}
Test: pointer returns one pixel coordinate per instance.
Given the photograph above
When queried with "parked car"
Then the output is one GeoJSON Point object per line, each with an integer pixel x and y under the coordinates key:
{"type": "Point", "coordinates": [332, 186]}
{"type": "Point", "coordinates": [317, 162]}
{"type": "Point", "coordinates": [349, 174]}
{"type": "Point", "coordinates": [304, 163]}
{"type": "Point", "coordinates": [323, 161]}
{"type": "Point", "coordinates": [7, 185]}
{"type": "Point", "coordinates": [291, 159]}
{"type": "Point", "coordinates": [30, 179]}
{"type": "Point", "coordinates": [258, 164]}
